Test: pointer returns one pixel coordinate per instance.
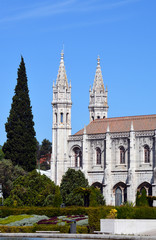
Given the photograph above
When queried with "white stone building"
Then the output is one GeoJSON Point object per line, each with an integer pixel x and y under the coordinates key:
{"type": "Point", "coordinates": [118, 155]}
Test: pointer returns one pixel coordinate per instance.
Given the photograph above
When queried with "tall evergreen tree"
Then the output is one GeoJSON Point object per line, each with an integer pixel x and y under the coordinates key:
{"type": "Point", "coordinates": [21, 144]}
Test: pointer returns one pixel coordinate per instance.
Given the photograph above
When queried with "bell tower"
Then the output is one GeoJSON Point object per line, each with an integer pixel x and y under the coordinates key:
{"type": "Point", "coordinates": [61, 127]}
{"type": "Point", "coordinates": [98, 106]}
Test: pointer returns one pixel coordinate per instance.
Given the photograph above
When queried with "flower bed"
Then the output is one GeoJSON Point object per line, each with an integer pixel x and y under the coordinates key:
{"type": "Point", "coordinates": [81, 220]}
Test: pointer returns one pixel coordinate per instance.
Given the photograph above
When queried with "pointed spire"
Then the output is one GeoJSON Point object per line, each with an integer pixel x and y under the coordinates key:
{"type": "Point", "coordinates": [62, 77]}
{"type": "Point", "coordinates": [98, 80]}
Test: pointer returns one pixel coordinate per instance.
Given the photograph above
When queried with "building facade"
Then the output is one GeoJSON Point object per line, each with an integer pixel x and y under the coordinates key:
{"type": "Point", "coordinates": [117, 155]}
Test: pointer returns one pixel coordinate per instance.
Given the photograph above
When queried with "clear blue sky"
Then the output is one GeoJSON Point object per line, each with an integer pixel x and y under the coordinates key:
{"type": "Point", "coordinates": [122, 32]}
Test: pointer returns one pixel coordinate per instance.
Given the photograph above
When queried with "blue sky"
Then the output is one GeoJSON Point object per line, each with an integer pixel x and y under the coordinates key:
{"type": "Point", "coordinates": [121, 32]}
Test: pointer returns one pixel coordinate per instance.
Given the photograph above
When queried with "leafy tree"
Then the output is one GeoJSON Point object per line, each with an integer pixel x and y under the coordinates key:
{"type": "Point", "coordinates": [141, 198]}
{"type": "Point", "coordinates": [92, 196]}
{"type": "Point", "coordinates": [1, 154]}
{"type": "Point", "coordinates": [8, 174]}
{"type": "Point", "coordinates": [20, 146]}
{"type": "Point", "coordinates": [96, 198]}
{"type": "Point", "coordinates": [70, 181]}
{"type": "Point", "coordinates": [33, 190]}
{"type": "Point", "coordinates": [46, 147]}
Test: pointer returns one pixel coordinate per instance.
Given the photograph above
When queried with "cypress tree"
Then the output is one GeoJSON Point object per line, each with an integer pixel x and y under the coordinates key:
{"type": "Point", "coordinates": [21, 144]}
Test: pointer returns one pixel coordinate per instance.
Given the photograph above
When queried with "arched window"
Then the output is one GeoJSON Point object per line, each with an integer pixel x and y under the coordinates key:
{"type": "Point", "coordinates": [92, 118]}
{"type": "Point", "coordinates": [67, 117]}
{"type": "Point", "coordinates": [98, 156]}
{"type": "Point", "coordinates": [146, 154]}
{"type": "Point", "coordinates": [98, 117]}
{"type": "Point", "coordinates": [55, 117]}
{"type": "Point", "coordinates": [120, 190]}
{"type": "Point", "coordinates": [122, 155]}
{"type": "Point", "coordinates": [61, 118]}
{"type": "Point", "coordinates": [118, 196]}
{"type": "Point", "coordinates": [78, 157]}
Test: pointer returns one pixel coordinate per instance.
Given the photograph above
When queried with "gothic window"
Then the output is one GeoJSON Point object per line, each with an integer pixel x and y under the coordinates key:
{"type": "Point", "coordinates": [120, 190]}
{"type": "Point", "coordinates": [61, 117]}
{"type": "Point", "coordinates": [146, 154]}
{"type": "Point", "coordinates": [78, 157]}
{"type": "Point", "coordinates": [98, 156]}
{"type": "Point", "coordinates": [67, 117]}
{"type": "Point", "coordinates": [55, 117]}
{"type": "Point", "coordinates": [122, 155]}
{"type": "Point", "coordinates": [118, 196]}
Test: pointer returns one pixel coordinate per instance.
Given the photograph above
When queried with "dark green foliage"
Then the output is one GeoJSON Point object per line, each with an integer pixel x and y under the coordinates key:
{"type": "Point", "coordinates": [96, 198]}
{"type": "Point", "coordinates": [8, 173]}
{"type": "Point", "coordinates": [70, 181]}
{"type": "Point", "coordinates": [33, 229]}
{"type": "Point", "coordinates": [32, 190]}
{"type": "Point", "coordinates": [20, 146]}
{"type": "Point", "coordinates": [92, 196]}
{"type": "Point", "coordinates": [46, 147]}
{"type": "Point", "coordinates": [48, 211]}
{"type": "Point", "coordinates": [1, 154]}
{"type": "Point", "coordinates": [95, 214]}
{"type": "Point", "coordinates": [141, 198]}
{"type": "Point", "coordinates": [125, 212]}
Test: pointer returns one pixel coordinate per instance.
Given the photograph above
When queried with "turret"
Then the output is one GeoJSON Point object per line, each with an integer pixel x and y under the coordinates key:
{"type": "Point", "coordinates": [98, 106]}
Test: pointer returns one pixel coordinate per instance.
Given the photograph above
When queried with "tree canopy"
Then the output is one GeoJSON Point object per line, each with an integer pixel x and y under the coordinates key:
{"type": "Point", "coordinates": [70, 181]}
{"type": "Point", "coordinates": [20, 146]}
{"type": "Point", "coordinates": [46, 147]}
{"type": "Point", "coordinates": [34, 189]}
{"type": "Point", "coordinates": [8, 174]}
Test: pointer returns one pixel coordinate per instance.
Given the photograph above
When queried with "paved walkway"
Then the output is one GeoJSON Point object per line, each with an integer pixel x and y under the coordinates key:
{"type": "Point", "coordinates": [152, 236]}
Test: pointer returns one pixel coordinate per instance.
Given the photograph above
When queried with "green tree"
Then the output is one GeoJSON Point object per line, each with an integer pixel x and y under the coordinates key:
{"type": "Point", "coordinates": [1, 154]}
{"type": "Point", "coordinates": [8, 174]}
{"type": "Point", "coordinates": [96, 198]}
{"type": "Point", "coordinates": [33, 190]}
{"type": "Point", "coordinates": [141, 198]}
{"type": "Point", "coordinates": [20, 146]}
{"type": "Point", "coordinates": [71, 181]}
{"type": "Point", "coordinates": [46, 147]}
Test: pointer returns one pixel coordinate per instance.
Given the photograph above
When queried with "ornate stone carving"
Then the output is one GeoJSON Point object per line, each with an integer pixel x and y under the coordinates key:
{"type": "Point", "coordinates": [120, 135]}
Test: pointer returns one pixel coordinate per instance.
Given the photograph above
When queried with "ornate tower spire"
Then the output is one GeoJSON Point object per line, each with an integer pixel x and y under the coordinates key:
{"type": "Point", "coordinates": [98, 80]}
{"type": "Point", "coordinates": [61, 80]}
{"type": "Point", "coordinates": [61, 123]}
{"type": "Point", "coordinates": [98, 106]}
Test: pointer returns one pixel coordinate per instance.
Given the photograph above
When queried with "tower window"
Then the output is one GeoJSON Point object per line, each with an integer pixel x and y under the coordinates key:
{"type": "Point", "coordinates": [61, 117]}
{"type": "Point", "coordinates": [67, 117]}
{"type": "Point", "coordinates": [122, 155]}
{"type": "Point", "coordinates": [98, 156]}
{"type": "Point", "coordinates": [55, 117]}
{"type": "Point", "coordinates": [146, 154]}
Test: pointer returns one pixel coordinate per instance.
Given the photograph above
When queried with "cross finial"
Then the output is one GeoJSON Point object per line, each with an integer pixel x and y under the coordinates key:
{"type": "Point", "coordinates": [98, 60]}
{"type": "Point", "coordinates": [62, 54]}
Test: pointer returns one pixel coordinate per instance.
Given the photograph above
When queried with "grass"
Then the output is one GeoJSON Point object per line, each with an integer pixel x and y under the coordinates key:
{"type": "Point", "coordinates": [13, 218]}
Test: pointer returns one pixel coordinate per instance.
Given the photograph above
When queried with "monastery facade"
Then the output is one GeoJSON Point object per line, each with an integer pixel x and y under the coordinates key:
{"type": "Point", "coordinates": [117, 155]}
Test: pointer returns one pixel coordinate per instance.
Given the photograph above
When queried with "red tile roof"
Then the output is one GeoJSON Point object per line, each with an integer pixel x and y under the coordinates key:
{"type": "Point", "coordinates": [121, 124]}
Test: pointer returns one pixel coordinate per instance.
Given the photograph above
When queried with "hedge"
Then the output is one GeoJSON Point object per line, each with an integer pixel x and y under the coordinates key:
{"type": "Point", "coordinates": [94, 215]}
{"type": "Point", "coordinates": [33, 229]}
{"type": "Point", "coordinates": [48, 211]}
